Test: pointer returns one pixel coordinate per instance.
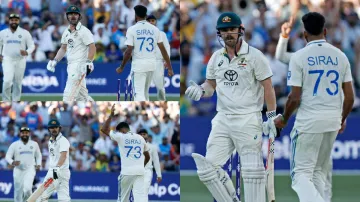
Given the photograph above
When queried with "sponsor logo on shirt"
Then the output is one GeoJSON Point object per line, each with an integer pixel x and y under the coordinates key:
{"type": "Point", "coordinates": [13, 41]}
{"type": "Point", "coordinates": [25, 152]}
{"type": "Point", "coordinates": [231, 76]}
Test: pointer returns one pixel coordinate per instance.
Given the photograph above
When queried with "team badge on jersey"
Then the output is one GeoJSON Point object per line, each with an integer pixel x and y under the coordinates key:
{"type": "Point", "coordinates": [220, 63]}
{"type": "Point", "coordinates": [289, 75]}
{"type": "Point", "coordinates": [31, 147]}
{"type": "Point", "coordinates": [20, 36]}
{"type": "Point", "coordinates": [76, 34]}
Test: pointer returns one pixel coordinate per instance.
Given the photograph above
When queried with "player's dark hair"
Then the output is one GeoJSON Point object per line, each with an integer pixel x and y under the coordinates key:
{"type": "Point", "coordinates": [140, 11]}
{"type": "Point", "coordinates": [142, 131]}
{"type": "Point", "coordinates": [122, 125]}
{"type": "Point", "coordinates": [313, 23]}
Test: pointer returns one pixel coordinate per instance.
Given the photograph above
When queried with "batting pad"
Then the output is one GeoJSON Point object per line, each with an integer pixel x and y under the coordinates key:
{"type": "Point", "coordinates": [253, 173]}
{"type": "Point", "coordinates": [215, 179]}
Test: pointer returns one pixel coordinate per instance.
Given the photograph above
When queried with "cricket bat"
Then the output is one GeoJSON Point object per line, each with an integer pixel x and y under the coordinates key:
{"type": "Point", "coordinates": [270, 189]}
{"type": "Point", "coordinates": [40, 190]}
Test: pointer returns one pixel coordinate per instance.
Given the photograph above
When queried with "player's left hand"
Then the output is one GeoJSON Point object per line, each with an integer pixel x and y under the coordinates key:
{"type": "Point", "coordinates": [23, 53]}
{"type": "Point", "coordinates": [194, 91]}
{"type": "Point", "coordinates": [119, 70]}
{"type": "Point", "coordinates": [56, 172]}
{"type": "Point", "coordinates": [37, 167]}
{"type": "Point", "coordinates": [112, 113]}
{"type": "Point", "coordinates": [158, 179]}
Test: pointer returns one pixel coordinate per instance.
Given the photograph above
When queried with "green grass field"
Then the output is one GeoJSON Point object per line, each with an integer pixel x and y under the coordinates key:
{"type": "Point", "coordinates": [345, 189]}
{"type": "Point", "coordinates": [110, 97]}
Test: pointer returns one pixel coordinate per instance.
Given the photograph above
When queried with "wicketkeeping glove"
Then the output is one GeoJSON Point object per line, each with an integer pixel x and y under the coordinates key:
{"type": "Point", "coordinates": [51, 65]}
{"type": "Point", "coordinates": [194, 91]}
{"type": "Point", "coordinates": [56, 172]}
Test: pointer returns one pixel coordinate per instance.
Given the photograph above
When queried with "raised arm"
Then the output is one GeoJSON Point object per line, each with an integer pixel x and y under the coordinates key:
{"type": "Point", "coordinates": [106, 126]}
{"type": "Point", "coordinates": [281, 48]}
{"type": "Point", "coordinates": [156, 162]}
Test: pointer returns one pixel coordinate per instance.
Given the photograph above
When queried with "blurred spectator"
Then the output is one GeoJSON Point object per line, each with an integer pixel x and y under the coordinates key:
{"type": "Point", "coordinates": [100, 53]}
{"type": "Point", "coordinates": [19, 6]}
{"type": "Point", "coordinates": [119, 36]}
{"type": "Point", "coordinates": [84, 124]}
{"type": "Point", "coordinates": [164, 147]}
{"type": "Point", "coordinates": [101, 36]}
{"type": "Point", "coordinates": [102, 164]}
{"type": "Point", "coordinates": [66, 119]}
{"type": "Point", "coordinates": [33, 118]}
{"type": "Point", "coordinates": [167, 164]}
{"type": "Point", "coordinates": [3, 162]}
{"type": "Point", "coordinates": [40, 131]}
{"type": "Point", "coordinates": [113, 54]}
{"type": "Point", "coordinates": [115, 165]}
{"type": "Point", "coordinates": [103, 145]}
{"type": "Point", "coordinates": [29, 18]}
{"type": "Point", "coordinates": [43, 110]}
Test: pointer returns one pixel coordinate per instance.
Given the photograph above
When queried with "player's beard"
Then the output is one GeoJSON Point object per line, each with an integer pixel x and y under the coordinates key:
{"type": "Point", "coordinates": [14, 26]}
{"type": "Point", "coordinates": [25, 138]}
{"type": "Point", "coordinates": [230, 41]}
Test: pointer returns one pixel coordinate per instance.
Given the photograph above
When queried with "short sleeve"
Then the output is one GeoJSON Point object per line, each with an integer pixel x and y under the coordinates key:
{"type": "Point", "coordinates": [347, 75]}
{"type": "Point", "coordinates": [129, 38]}
{"type": "Point", "coordinates": [87, 37]}
{"type": "Point", "coordinates": [210, 71]}
{"type": "Point", "coordinates": [146, 147]}
{"type": "Point", "coordinates": [295, 77]}
{"type": "Point", "coordinates": [64, 146]}
{"type": "Point", "coordinates": [115, 136]}
{"type": "Point", "coordinates": [63, 37]}
{"type": "Point", "coordinates": [159, 36]}
{"type": "Point", "coordinates": [262, 68]}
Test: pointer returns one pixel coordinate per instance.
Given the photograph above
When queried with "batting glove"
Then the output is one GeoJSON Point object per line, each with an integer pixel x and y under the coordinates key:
{"type": "Point", "coordinates": [51, 65]}
{"type": "Point", "coordinates": [89, 67]}
{"type": "Point", "coordinates": [194, 91]}
{"type": "Point", "coordinates": [271, 128]}
{"type": "Point", "coordinates": [56, 172]}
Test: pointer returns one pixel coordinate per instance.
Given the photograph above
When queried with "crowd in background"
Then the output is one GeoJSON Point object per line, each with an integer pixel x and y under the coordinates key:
{"type": "Point", "coordinates": [107, 19]}
{"type": "Point", "coordinates": [262, 20]}
{"type": "Point", "coordinates": [90, 149]}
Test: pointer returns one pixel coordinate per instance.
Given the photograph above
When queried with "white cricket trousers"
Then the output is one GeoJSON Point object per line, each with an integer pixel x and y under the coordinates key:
{"type": "Point", "coordinates": [309, 163]}
{"type": "Point", "coordinates": [141, 84]}
{"type": "Point", "coordinates": [60, 185]}
{"type": "Point", "coordinates": [75, 89]}
{"type": "Point", "coordinates": [23, 182]}
{"type": "Point", "coordinates": [13, 70]}
{"type": "Point", "coordinates": [159, 81]}
{"type": "Point", "coordinates": [126, 183]}
{"type": "Point", "coordinates": [148, 175]}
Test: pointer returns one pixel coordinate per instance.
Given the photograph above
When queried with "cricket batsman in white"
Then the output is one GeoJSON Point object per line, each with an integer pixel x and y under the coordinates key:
{"type": "Point", "coordinates": [25, 156]}
{"type": "Point", "coordinates": [241, 76]}
{"type": "Point", "coordinates": [134, 155]}
{"type": "Point", "coordinates": [158, 76]}
{"type": "Point", "coordinates": [141, 40]}
{"type": "Point", "coordinates": [153, 162]}
{"type": "Point", "coordinates": [15, 44]}
{"type": "Point", "coordinates": [59, 165]}
{"type": "Point", "coordinates": [78, 43]}
{"type": "Point", "coordinates": [321, 88]}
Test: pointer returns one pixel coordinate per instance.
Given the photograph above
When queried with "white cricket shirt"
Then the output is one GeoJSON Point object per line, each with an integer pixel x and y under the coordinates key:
{"type": "Point", "coordinates": [144, 38]}
{"type": "Point", "coordinates": [320, 69]}
{"type": "Point", "coordinates": [61, 144]}
{"type": "Point", "coordinates": [77, 43]}
{"type": "Point", "coordinates": [131, 146]}
{"type": "Point", "coordinates": [238, 86]}
{"type": "Point", "coordinates": [11, 43]}
{"type": "Point", "coordinates": [154, 160]}
{"type": "Point", "coordinates": [28, 154]}
{"type": "Point", "coordinates": [166, 45]}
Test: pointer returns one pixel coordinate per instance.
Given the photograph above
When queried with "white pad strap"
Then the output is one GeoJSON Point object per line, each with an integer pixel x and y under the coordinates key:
{"type": "Point", "coordinates": [215, 179]}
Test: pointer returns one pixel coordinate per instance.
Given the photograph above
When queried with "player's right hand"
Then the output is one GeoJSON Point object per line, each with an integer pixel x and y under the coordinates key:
{"type": "Point", "coordinates": [286, 27]}
{"type": "Point", "coordinates": [15, 163]}
{"type": "Point", "coordinates": [1, 58]}
{"type": "Point", "coordinates": [51, 65]}
{"type": "Point", "coordinates": [194, 91]}
{"type": "Point", "coordinates": [170, 72]}
{"type": "Point", "coordinates": [158, 179]}
{"type": "Point", "coordinates": [112, 110]}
